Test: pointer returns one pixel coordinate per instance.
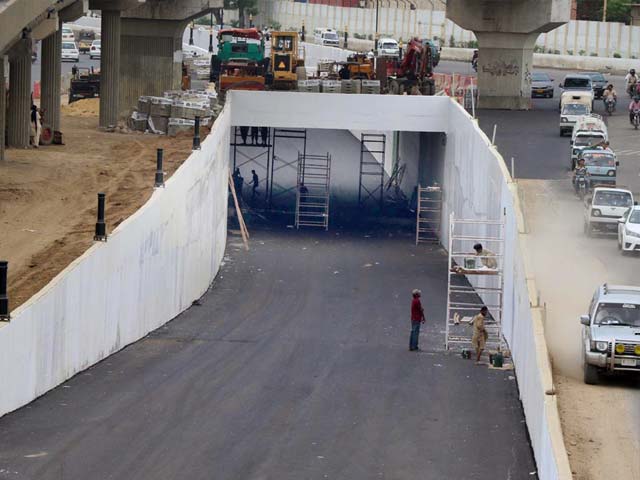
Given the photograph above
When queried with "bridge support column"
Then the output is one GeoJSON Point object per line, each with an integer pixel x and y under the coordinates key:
{"type": "Point", "coordinates": [151, 59]}
{"type": "Point", "coordinates": [506, 33]}
{"type": "Point", "coordinates": [504, 70]}
{"type": "Point", "coordinates": [19, 94]}
{"type": "Point", "coordinates": [110, 67]}
{"type": "Point", "coordinates": [3, 107]}
{"type": "Point", "coordinates": [51, 71]}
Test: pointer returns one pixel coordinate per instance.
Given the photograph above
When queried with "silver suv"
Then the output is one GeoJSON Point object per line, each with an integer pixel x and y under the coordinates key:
{"type": "Point", "coordinates": [611, 332]}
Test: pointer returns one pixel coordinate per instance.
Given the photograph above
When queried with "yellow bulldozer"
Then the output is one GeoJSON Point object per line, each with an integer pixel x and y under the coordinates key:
{"type": "Point", "coordinates": [287, 61]}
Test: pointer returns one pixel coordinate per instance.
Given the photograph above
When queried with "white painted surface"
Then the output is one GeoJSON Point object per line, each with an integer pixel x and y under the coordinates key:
{"type": "Point", "coordinates": [153, 266]}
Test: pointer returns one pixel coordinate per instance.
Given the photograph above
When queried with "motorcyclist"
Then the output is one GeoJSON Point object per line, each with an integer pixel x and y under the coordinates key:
{"type": "Point", "coordinates": [634, 106]}
{"type": "Point", "coordinates": [609, 92]}
{"type": "Point", "coordinates": [581, 170]}
{"type": "Point", "coordinates": [630, 80]}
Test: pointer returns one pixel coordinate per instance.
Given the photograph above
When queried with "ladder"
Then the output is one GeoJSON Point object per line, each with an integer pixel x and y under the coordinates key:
{"type": "Point", "coordinates": [472, 285]}
{"type": "Point", "coordinates": [371, 178]}
{"type": "Point", "coordinates": [313, 191]}
{"type": "Point", "coordinates": [428, 214]}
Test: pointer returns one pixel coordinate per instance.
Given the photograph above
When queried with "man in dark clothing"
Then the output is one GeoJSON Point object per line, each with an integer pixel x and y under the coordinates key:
{"type": "Point", "coordinates": [417, 318]}
{"type": "Point", "coordinates": [238, 182]}
{"type": "Point", "coordinates": [255, 183]}
{"type": "Point", "coordinates": [264, 133]}
{"type": "Point", "coordinates": [243, 134]}
{"type": "Point", "coordinates": [344, 73]}
{"type": "Point", "coordinates": [254, 135]}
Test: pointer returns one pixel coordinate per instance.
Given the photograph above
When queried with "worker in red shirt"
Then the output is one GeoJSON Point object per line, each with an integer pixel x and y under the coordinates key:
{"type": "Point", "coordinates": [417, 317]}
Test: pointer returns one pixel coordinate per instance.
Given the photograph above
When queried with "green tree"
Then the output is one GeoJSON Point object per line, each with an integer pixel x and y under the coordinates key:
{"type": "Point", "coordinates": [617, 10]}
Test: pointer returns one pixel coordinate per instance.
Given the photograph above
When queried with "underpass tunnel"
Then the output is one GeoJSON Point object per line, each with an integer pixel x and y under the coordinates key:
{"type": "Point", "coordinates": [373, 176]}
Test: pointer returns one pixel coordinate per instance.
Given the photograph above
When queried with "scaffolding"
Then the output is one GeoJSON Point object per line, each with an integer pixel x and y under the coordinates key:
{"type": "Point", "coordinates": [313, 190]}
{"type": "Point", "coordinates": [371, 179]}
{"type": "Point", "coordinates": [474, 283]}
{"type": "Point", "coordinates": [429, 214]}
{"type": "Point", "coordinates": [266, 161]}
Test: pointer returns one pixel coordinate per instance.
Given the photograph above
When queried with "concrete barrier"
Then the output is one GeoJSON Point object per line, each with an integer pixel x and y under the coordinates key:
{"type": "Point", "coordinates": [153, 266]}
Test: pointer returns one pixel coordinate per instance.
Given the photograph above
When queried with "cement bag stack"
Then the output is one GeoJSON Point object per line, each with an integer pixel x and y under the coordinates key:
{"type": "Point", "coordinates": [309, 86]}
{"type": "Point", "coordinates": [371, 87]}
{"type": "Point", "coordinates": [159, 114]}
{"type": "Point", "coordinates": [331, 86]}
{"type": "Point", "coordinates": [350, 86]}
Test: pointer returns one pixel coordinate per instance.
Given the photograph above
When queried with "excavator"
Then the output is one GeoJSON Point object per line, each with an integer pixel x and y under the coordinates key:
{"type": "Point", "coordinates": [413, 75]}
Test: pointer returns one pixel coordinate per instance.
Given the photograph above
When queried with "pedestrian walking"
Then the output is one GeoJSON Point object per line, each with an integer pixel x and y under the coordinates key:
{"type": "Point", "coordinates": [254, 135]}
{"type": "Point", "coordinates": [417, 318]}
{"type": "Point", "coordinates": [255, 182]}
{"type": "Point", "coordinates": [479, 339]}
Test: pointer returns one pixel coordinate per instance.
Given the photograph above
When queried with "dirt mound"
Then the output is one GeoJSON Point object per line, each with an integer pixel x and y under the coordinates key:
{"type": "Point", "coordinates": [88, 107]}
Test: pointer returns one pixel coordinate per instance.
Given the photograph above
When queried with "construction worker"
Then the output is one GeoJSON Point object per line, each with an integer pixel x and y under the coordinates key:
{"type": "Point", "coordinates": [238, 183]}
{"type": "Point", "coordinates": [479, 339]}
{"type": "Point", "coordinates": [344, 72]}
{"type": "Point", "coordinates": [264, 133]}
{"type": "Point", "coordinates": [244, 131]}
{"type": "Point", "coordinates": [254, 135]}
{"type": "Point", "coordinates": [34, 134]}
{"type": "Point", "coordinates": [417, 318]}
{"type": "Point", "coordinates": [487, 256]}
{"type": "Point", "coordinates": [255, 182]}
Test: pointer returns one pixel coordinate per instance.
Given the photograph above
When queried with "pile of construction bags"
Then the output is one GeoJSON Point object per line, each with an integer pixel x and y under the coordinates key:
{"type": "Point", "coordinates": [339, 86]}
{"type": "Point", "coordinates": [174, 112]}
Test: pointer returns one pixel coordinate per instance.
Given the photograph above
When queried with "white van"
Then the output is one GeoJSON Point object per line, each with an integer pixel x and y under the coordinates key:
{"type": "Point", "coordinates": [326, 36]}
{"type": "Point", "coordinates": [589, 130]}
{"type": "Point", "coordinates": [388, 47]}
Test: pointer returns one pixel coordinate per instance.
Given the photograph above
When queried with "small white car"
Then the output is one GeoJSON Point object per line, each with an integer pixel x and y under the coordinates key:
{"type": "Point", "coordinates": [70, 52]}
{"type": "Point", "coordinates": [94, 50]}
{"type": "Point", "coordinates": [629, 230]}
{"type": "Point", "coordinates": [388, 47]}
{"type": "Point", "coordinates": [605, 208]}
{"type": "Point", "coordinates": [68, 35]}
{"type": "Point", "coordinates": [569, 116]}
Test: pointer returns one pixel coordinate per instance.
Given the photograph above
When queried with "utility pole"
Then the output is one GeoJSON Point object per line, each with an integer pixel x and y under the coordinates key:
{"type": "Point", "coordinates": [604, 11]}
{"type": "Point", "coordinates": [376, 35]}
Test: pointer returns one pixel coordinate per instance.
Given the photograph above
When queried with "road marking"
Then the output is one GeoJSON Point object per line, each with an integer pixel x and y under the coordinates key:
{"type": "Point", "coordinates": [37, 455]}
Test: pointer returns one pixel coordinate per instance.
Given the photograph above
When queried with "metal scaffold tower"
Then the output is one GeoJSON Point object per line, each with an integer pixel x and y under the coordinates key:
{"type": "Point", "coordinates": [298, 135]}
{"type": "Point", "coordinates": [313, 191]}
{"type": "Point", "coordinates": [475, 281]}
{"type": "Point", "coordinates": [371, 179]}
{"type": "Point", "coordinates": [429, 214]}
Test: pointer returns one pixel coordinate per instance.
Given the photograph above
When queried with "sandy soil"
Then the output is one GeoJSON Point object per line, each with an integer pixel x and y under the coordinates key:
{"type": "Point", "coordinates": [48, 196]}
{"type": "Point", "coordinates": [600, 423]}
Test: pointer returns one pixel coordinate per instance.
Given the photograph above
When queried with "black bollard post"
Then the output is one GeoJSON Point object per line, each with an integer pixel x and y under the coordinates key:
{"type": "Point", "coordinates": [191, 34]}
{"type": "Point", "coordinates": [211, 32]}
{"type": "Point", "coordinates": [196, 134]}
{"type": "Point", "coordinates": [159, 172]}
{"type": "Point", "coordinates": [101, 227]}
{"type": "Point", "coordinates": [303, 32]}
{"type": "Point", "coordinates": [4, 300]}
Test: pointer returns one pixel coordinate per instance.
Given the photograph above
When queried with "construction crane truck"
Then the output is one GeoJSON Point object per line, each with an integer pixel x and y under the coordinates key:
{"type": "Point", "coordinates": [413, 74]}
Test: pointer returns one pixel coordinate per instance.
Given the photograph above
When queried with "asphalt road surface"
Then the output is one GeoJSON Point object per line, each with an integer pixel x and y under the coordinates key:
{"type": "Point", "coordinates": [295, 365]}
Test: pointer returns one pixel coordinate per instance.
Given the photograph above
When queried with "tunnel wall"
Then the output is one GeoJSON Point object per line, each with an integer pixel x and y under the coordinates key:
{"type": "Point", "coordinates": [477, 186]}
{"type": "Point", "coordinates": [152, 267]}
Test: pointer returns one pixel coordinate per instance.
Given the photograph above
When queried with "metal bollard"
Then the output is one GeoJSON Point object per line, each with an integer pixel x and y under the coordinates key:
{"type": "Point", "coordinates": [196, 134]}
{"type": "Point", "coordinates": [101, 227]}
{"type": "Point", "coordinates": [159, 172]}
{"type": "Point", "coordinates": [4, 300]}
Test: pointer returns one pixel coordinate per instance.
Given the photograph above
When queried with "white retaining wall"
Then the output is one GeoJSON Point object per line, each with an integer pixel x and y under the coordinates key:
{"type": "Point", "coordinates": [153, 266]}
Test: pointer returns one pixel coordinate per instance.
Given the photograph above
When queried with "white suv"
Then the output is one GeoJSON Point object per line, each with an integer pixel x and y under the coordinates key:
{"type": "Point", "coordinates": [629, 231]}
{"type": "Point", "coordinates": [70, 52]}
{"type": "Point", "coordinates": [94, 50]}
{"type": "Point", "coordinates": [611, 332]}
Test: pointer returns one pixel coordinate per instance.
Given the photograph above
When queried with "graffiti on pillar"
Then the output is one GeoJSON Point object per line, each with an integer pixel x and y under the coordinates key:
{"type": "Point", "coordinates": [500, 68]}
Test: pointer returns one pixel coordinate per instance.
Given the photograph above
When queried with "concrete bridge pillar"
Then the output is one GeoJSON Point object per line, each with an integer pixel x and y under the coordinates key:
{"type": "Point", "coordinates": [3, 107]}
{"type": "Point", "coordinates": [150, 59]}
{"type": "Point", "coordinates": [507, 31]}
{"type": "Point", "coordinates": [51, 72]}
{"type": "Point", "coordinates": [109, 67]}
{"type": "Point", "coordinates": [19, 94]}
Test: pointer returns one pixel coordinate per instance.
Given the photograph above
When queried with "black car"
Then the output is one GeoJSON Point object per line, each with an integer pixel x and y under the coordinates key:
{"type": "Point", "coordinates": [599, 83]}
{"type": "Point", "coordinates": [541, 85]}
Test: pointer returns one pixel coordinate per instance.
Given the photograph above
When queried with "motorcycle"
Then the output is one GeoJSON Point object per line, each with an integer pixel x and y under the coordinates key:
{"type": "Point", "coordinates": [610, 105]}
{"type": "Point", "coordinates": [636, 119]}
{"type": "Point", "coordinates": [581, 186]}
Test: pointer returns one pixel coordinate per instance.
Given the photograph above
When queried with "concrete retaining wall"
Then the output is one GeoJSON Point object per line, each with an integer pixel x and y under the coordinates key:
{"type": "Point", "coordinates": [153, 266]}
